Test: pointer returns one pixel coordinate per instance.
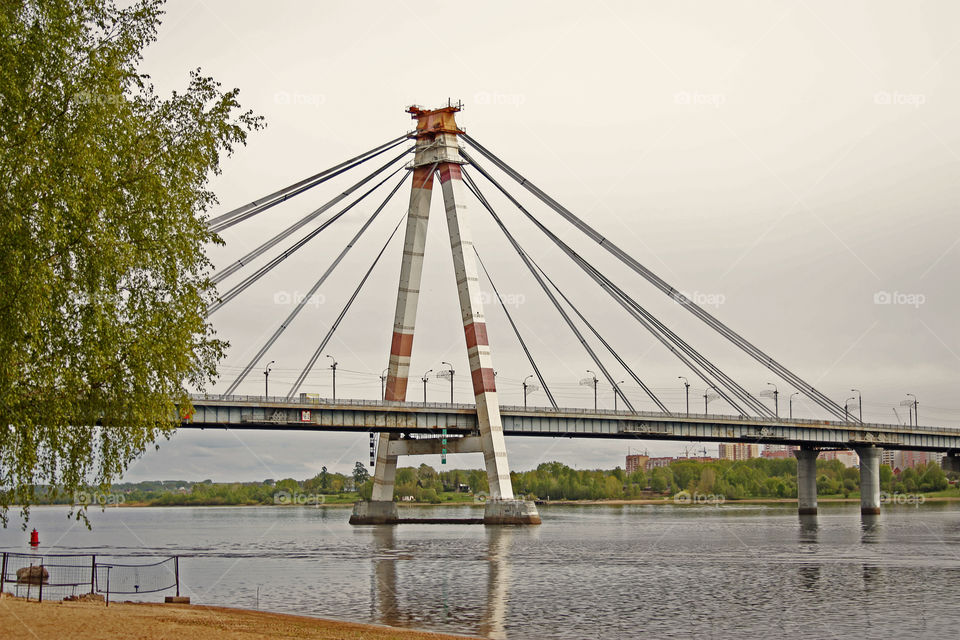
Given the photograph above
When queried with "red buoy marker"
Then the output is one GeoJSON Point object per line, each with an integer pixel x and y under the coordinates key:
{"type": "Point", "coordinates": [34, 538]}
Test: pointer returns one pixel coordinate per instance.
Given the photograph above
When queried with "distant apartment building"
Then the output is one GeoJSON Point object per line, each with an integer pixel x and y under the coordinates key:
{"type": "Point", "coordinates": [778, 451]}
{"type": "Point", "coordinates": [636, 462]}
{"type": "Point", "coordinates": [653, 463]}
{"type": "Point", "coordinates": [847, 457]}
{"type": "Point", "coordinates": [900, 460]}
{"type": "Point", "coordinates": [738, 451]}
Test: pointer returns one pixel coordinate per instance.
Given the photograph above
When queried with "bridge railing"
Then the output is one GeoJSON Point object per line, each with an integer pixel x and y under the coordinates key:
{"type": "Point", "coordinates": [447, 406]}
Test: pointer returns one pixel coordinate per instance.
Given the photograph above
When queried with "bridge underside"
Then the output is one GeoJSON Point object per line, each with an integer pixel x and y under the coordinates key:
{"type": "Point", "coordinates": [461, 420]}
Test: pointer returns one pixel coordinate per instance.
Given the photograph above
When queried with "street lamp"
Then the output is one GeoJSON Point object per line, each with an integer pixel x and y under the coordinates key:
{"type": "Point", "coordinates": [424, 378]}
{"type": "Point", "coordinates": [846, 408]}
{"type": "Point", "coordinates": [334, 367]}
{"type": "Point", "coordinates": [266, 380]}
{"type": "Point", "coordinates": [795, 393]}
{"type": "Point", "coordinates": [616, 391]}
{"type": "Point", "coordinates": [916, 414]}
{"type": "Point", "coordinates": [686, 387]}
{"type": "Point", "coordinates": [383, 384]}
{"type": "Point", "coordinates": [525, 387]}
{"type": "Point", "coordinates": [776, 402]}
{"type": "Point", "coordinates": [859, 403]}
{"type": "Point", "coordinates": [451, 380]}
{"type": "Point", "coordinates": [708, 398]}
{"type": "Point", "coordinates": [594, 388]}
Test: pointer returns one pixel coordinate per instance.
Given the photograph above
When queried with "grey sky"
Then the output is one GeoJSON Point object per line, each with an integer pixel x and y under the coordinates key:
{"type": "Point", "coordinates": [786, 163]}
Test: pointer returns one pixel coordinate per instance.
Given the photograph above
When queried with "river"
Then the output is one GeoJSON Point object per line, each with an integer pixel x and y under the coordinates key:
{"type": "Point", "coordinates": [587, 572]}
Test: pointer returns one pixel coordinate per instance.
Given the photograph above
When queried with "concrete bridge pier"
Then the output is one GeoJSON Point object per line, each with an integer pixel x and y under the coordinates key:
{"type": "Point", "coordinates": [869, 480]}
{"type": "Point", "coordinates": [806, 480]}
{"type": "Point", "coordinates": [951, 462]}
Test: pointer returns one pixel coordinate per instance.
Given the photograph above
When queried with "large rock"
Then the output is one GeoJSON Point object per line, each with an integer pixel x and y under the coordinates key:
{"type": "Point", "coordinates": [32, 575]}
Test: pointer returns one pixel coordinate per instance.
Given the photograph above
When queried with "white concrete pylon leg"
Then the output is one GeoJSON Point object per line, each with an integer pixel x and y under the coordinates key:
{"type": "Point", "coordinates": [405, 318]}
{"type": "Point", "coordinates": [475, 331]}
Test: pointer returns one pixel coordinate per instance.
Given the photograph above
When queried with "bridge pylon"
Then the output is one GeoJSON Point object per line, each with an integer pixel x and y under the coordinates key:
{"type": "Point", "coordinates": [437, 153]}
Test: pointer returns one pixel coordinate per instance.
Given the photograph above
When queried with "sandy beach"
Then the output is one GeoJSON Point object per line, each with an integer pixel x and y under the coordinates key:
{"type": "Point", "coordinates": [148, 621]}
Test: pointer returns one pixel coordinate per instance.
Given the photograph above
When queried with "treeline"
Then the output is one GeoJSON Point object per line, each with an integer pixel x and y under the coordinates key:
{"type": "Point", "coordinates": [755, 478]}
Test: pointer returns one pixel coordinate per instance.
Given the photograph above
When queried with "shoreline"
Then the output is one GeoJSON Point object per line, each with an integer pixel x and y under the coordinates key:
{"type": "Point", "coordinates": [92, 621]}
{"type": "Point", "coordinates": [667, 500]}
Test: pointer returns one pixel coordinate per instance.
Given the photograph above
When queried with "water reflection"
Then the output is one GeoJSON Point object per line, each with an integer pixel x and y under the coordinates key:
{"type": "Point", "coordinates": [871, 528]}
{"type": "Point", "coordinates": [385, 608]}
{"type": "Point", "coordinates": [498, 581]}
{"type": "Point", "coordinates": [383, 580]}
{"type": "Point", "coordinates": [809, 528]}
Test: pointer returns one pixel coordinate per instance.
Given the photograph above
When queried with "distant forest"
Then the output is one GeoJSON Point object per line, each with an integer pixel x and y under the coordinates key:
{"type": "Point", "coordinates": [755, 478]}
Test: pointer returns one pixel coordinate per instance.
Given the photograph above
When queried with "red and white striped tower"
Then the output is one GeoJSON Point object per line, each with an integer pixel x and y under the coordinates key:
{"type": "Point", "coordinates": [438, 151]}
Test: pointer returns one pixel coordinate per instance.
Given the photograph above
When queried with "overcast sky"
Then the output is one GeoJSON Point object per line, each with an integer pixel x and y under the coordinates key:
{"type": "Point", "coordinates": [791, 165]}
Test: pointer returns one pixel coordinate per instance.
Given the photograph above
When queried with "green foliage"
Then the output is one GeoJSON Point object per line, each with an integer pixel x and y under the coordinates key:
{"type": "Point", "coordinates": [102, 228]}
{"type": "Point", "coordinates": [360, 474]}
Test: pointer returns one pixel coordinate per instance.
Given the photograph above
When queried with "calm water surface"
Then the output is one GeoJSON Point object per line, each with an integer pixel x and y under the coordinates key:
{"type": "Point", "coordinates": [587, 572]}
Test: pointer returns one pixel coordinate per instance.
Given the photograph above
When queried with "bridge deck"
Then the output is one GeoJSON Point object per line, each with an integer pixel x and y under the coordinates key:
{"type": "Point", "coordinates": [256, 412]}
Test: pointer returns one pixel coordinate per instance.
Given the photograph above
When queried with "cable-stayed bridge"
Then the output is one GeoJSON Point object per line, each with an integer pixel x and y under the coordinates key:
{"type": "Point", "coordinates": [444, 153]}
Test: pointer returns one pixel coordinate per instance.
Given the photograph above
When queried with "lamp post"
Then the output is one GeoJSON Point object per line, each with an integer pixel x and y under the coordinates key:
{"type": "Point", "coordinates": [708, 397]}
{"type": "Point", "coordinates": [846, 409]}
{"type": "Point", "coordinates": [594, 388]}
{"type": "Point", "coordinates": [451, 380]}
{"type": "Point", "coordinates": [916, 414]}
{"type": "Point", "coordinates": [795, 393]}
{"type": "Point", "coordinates": [776, 401]}
{"type": "Point", "coordinates": [525, 385]}
{"type": "Point", "coordinates": [686, 387]}
{"type": "Point", "coordinates": [424, 378]}
{"type": "Point", "coordinates": [859, 403]}
{"type": "Point", "coordinates": [266, 380]}
{"type": "Point", "coordinates": [383, 385]}
{"type": "Point", "coordinates": [334, 367]}
{"type": "Point", "coordinates": [616, 391]}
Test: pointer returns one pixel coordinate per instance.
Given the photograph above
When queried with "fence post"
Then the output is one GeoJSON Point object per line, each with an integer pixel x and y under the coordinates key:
{"type": "Point", "coordinates": [40, 597]}
{"type": "Point", "coordinates": [176, 572]}
{"type": "Point", "coordinates": [93, 573]}
{"type": "Point", "coordinates": [3, 571]}
{"type": "Point", "coordinates": [108, 587]}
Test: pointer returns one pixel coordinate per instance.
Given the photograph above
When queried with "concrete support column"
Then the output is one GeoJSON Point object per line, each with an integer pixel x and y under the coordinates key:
{"type": "Point", "coordinates": [806, 480]}
{"type": "Point", "coordinates": [951, 462]}
{"type": "Point", "coordinates": [869, 480]}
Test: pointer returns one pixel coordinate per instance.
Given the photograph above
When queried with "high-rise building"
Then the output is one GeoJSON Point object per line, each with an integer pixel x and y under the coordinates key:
{"type": "Point", "coordinates": [738, 451]}
{"type": "Point", "coordinates": [636, 462]}
{"type": "Point", "coordinates": [778, 451]}
{"type": "Point", "coordinates": [846, 456]}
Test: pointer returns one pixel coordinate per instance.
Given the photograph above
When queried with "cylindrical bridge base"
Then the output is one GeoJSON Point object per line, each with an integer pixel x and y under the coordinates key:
{"type": "Point", "coordinates": [869, 480]}
{"type": "Point", "coordinates": [510, 512]}
{"type": "Point", "coordinates": [374, 512]}
{"type": "Point", "coordinates": [806, 481]}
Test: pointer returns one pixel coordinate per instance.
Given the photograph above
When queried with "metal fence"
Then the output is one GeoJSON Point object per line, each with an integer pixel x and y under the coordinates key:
{"type": "Point", "coordinates": [47, 575]}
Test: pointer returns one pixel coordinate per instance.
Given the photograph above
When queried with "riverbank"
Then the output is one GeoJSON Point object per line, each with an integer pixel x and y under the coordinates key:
{"type": "Point", "coordinates": [147, 621]}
